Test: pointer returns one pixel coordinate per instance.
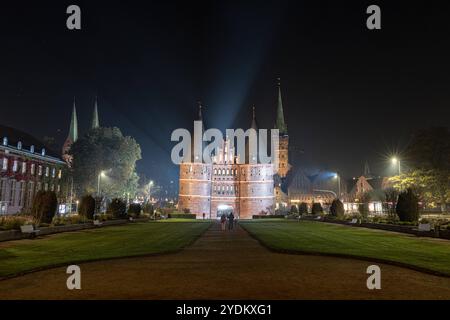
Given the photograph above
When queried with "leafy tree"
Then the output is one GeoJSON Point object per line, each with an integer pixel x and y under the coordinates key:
{"type": "Point", "coordinates": [391, 196]}
{"type": "Point", "coordinates": [303, 208]}
{"type": "Point", "coordinates": [148, 208]}
{"type": "Point", "coordinates": [429, 154]}
{"type": "Point", "coordinates": [87, 207]}
{"type": "Point", "coordinates": [294, 209]}
{"type": "Point", "coordinates": [363, 206]}
{"type": "Point", "coordinates": [134, 209]}
{"type": "Point", "coordinates": [117, 208]}
{"type": "Point", "coordinates": [107, 150]}
{"type": "Point", "coordinates": [337, 208]}
{"type": "Point", "coordinates": [408, 206]}
{"type": "Point", "coordinates": [44, 206]}
{"type": "Point", "coordinates": [316, 208]}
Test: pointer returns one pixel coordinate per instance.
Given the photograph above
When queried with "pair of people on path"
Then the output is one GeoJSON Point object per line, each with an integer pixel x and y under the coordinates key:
{"type": "Point", "coordinates": [223, 221]}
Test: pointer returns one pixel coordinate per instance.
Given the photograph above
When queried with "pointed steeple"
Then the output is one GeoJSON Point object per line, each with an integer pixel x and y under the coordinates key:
{"type": "Point", "coordinates": [367, 173]}
{"type": "Point", "coordinates": [95, 123]}
{"type": "Point", "coordinates": [254, 123]}
{"type": "Point", "coordinates": [200, 107]}
{"type": "Point", "coordinates": [73, 130]}
{"type": "Point", "coordinates": [280, 124]}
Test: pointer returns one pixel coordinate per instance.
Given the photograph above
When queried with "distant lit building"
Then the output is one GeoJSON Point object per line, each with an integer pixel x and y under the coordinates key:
{"type": "Point", "coordinates": [235, 185]}
{"type": "Point", "coordinates": [26, 167]}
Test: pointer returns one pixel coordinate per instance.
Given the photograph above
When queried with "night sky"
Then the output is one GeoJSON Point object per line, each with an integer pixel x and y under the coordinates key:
{"type": "Point", "coordinates": [350, 94]}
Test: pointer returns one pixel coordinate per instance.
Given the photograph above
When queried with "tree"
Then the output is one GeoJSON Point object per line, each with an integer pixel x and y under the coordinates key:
{"type": "Point", "coordinates": [134, 209]}
{"type": "Point", "coordinates": [294, 209]}
{"type": "Point", "coordinates": [117, 208]}
{"type": "Point", "coordinates": [105, 150]}
{"type": "Point", "coordinates": [316, 208]}
{"type": "Point", "coordinates": [363, 206]}
{"type": "Point", "coordinates": [337, 208]}
{"type": "Point", "coordinates": [391, 196]}
{"type": "Point", "coordinates": [87, 207]}
{"type": "Point", "coordinates": [429, 154]}
{"type": "Point", "coordinates": [303, 208]}
{"type": "Point", "coordinates": [44, 206]}
{"type": "Point", "coordinates": [408, 206]}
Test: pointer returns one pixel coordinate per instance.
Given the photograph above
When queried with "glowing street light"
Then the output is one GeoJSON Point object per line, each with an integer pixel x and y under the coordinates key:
{"type": "Point", "coordinates": [100, 175]}
{"type": "Point", "coordinates": [396, 161]}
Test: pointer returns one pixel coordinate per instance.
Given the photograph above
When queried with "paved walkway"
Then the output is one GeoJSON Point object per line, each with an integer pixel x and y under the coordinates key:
{"type": "Point", "coordinates": [227, 265]}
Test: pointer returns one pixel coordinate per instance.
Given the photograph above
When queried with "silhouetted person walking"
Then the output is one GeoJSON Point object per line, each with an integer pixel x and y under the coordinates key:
{"type": "Point", "coordinates": [223, 221]}
{"type": "Point", "coordinates": [230, 221]}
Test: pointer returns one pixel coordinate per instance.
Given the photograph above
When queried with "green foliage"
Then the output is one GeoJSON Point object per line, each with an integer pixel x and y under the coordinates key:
{"type": "Point", "coordinates": [316, 208]}
{"type": "Point", "coordinates": [44, 206]}
{"type": "Point", "coordinates": [408, 206]}
{"type": "Point", "coordinates": [134, 209]}
{"type": "Point", "coordinates": [66, 220]}
{"type": "Point", "coordinates": [117, 208]}
{"type": "Point", "coordinates": [105, 149]}
{"type": "Point", "coordinates": [294, 209]}
{"type": "Point", "coordinates": [13, 222]}
{"type": "Point", "coordinates": [178, 215]}
{"type": "Point", "coordinates": [303, 208]}
{"type": "Point", "coordinates": [428, 155]}
{"type": "Point", "coordinates": [337, 208]}
{"type": "Point", "coordinates": [87, 207]}
{"type": "Point", "coordinates": [148, 208]}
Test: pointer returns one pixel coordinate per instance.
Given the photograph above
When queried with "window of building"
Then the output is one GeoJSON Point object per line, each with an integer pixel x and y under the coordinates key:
{"type": "Point", "coordinates": [5, 164]}
{"type": "Point", "coordinates": [46, 186]}
{"type": "Point", "coordinates": [53, 172]}
{"type": "Point", "coordinates": [24, 167]}
{"type": "Point", "coordinates": [40, 170]}
{"type": "Point", "coordinates": [59, 174]}
{"type": "Point", "coordinates": [33, 168]}
{"type": "Point", "coordinates": [47, 171]}
{"type": "Point", "coordinates": [15, 165]}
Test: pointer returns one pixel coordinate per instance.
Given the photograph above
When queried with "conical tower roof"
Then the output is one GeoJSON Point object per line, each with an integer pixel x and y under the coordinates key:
{"type": "Point", "coordinates": [280, 124]}
{"type": "Point", "coordinates": [73, 130]}
{"type": "Point", "coordinates": [95, 123]}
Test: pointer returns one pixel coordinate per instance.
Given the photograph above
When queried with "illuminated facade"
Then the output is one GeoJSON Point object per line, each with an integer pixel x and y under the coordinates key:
{"type": "Point", "coordinates": [229, 185]}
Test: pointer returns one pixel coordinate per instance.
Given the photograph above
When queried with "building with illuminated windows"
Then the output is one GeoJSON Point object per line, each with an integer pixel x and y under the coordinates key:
{"type": "Point", "coordinates": [26, 167]}
{"type": "Point", "coordinates": [230, 185]}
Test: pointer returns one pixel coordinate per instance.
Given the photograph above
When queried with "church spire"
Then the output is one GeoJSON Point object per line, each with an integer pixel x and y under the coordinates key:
{"type": "Point", "coordinates": [73, 130]}
{"type": "Point", "coordinates": [200, 107]}
{"type": "Point", "coordinates": [95, 123]}
{"type": "Point", "coordinates": [280, 124]}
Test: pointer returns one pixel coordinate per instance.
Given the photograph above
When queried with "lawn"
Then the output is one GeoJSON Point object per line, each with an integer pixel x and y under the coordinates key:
{"type": "Point", "coordinates": [324, 238]}
{"type": "Point", "coordinates": [94, 244]}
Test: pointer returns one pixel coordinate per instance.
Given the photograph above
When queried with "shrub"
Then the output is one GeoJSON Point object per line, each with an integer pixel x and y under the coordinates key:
{"type": "Point", "coordinates": [117, 208]}
{"type": "Point", "coordinates": [44, 206]}
{"type": "Point", "coordinates": [187, 210]}
{"type": "Point", "coordinates": [363, 210]}
{"type": "Point", "coordinates": [14, 222]}
{"type": "Point", "coordinates": [269, 216]}
{"type": "Point", "coordinates": [134, 209]}
{"type": "Point", "coordinates": [87, 207]}
{"type": "Point", "coordinates": [179, 215]}
{"type": "Point", "coordinates": [337, 208]}
{"type": "Point", "coordinates": [407, 206]}
{"type": "Point", "coordinates": [294, 209]}
{"type": "Point", "coordinates": [316, 208]}
{"type": "Point", "coordinates": [148, 208]}
{"type": "Point", "coordinates": [303, 208]}
{"type": "Point", "coordinates": [424, 221]}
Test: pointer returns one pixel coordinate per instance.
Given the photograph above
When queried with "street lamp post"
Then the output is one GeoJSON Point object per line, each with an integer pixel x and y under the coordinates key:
{"type": "Point", "coordinates": [100, 175]}
{"type": "Point", "coordinates": [338, 178]}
